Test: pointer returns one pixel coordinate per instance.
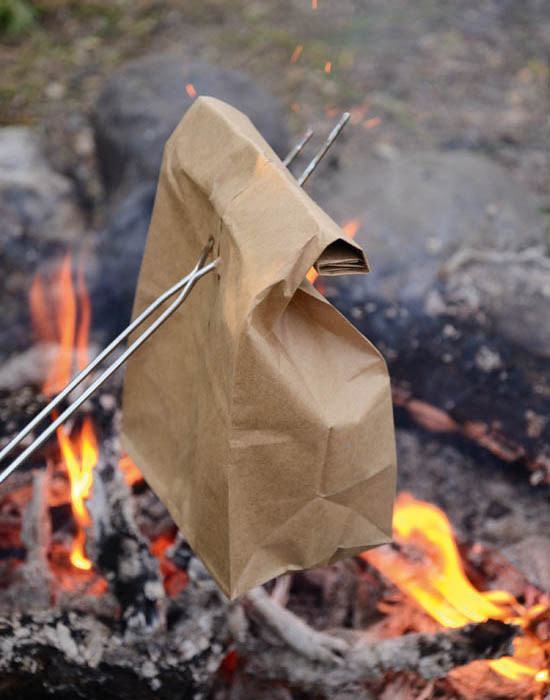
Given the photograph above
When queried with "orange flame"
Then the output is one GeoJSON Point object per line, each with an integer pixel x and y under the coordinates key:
{"type": "Point", "coordinates": [350, 227]}
{"type": "Point", "coordinates": [328, 66]}
{"type": "Point", "coordinates": [440, 586]}
{"type": "Point", "coordinates": [83, 332]}
{"type": "Point", "coordinates": [59, 327]}
{"type": "Point", "coordinates": [79, 455]}
{"type": "Point", "coordinates": [190, 90]}
{"type": "Point", "coordinates": [358, 112]}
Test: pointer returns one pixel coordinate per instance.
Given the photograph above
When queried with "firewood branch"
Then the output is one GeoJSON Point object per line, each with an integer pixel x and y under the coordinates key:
{"type": "Point", "coordinates": [279, 646]}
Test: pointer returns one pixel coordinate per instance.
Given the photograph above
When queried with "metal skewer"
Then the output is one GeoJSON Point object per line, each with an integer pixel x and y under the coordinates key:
{"type": "Point", "coordinates": [197, 273]}
{"type": "Point", "coordinates": [44, 413]}
{"type": "Point", "coordinates": [321, 153]}
{"type": "Point", "coordinates": [81, 376]}
{"type": "Point", "coordinates": [298, 147]}
{"type": "Point", "coordinates": [186, 284]}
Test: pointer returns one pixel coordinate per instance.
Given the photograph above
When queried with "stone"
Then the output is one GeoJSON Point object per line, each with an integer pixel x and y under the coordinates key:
{"type": "Point", "coordinates": [113, 278]}
{"type": "Point", "coordinates": [39, 219]}
{"type": "Point", "coordinates": [510, 293]}
{"type": "Point", "coordinates": [141, 104]}
{"type": "Point", "coordinates": [418, 209]}
{"type": "Point", "coordinates": [35, 201]}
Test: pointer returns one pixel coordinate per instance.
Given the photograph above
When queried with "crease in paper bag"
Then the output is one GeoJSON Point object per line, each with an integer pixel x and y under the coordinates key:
{"type": "Point", "coordinates": [220, 178]}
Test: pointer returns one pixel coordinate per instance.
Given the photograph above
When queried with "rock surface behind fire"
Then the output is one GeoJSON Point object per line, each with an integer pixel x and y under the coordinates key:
{"type": "Point", "coordinates": [141, 105]}
{"type": "Point", "coordinates": [419, 209]}
{"type": "Point", "coordinates": [39, 219]}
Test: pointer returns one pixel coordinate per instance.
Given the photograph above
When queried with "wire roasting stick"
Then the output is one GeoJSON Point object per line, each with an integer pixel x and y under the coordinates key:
{"type": "Point", "coordinates": [298, 148]}
{"type": "Point", "coordinates": [321, 153]}
{"type": "Point", "coordinates": [198, 272]}
{"type": "Point", "coordinates": [185, 285]}
{"type": "Point", "coordinates": [81, 376]}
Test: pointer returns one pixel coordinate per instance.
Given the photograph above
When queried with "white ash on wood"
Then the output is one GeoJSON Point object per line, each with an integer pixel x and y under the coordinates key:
{"type": "Point", "coordinates": [54, 651]}
{"type": "Point", "coordinates": [136, 641]}
{"type": "Point", "coordinates": [281, 647]}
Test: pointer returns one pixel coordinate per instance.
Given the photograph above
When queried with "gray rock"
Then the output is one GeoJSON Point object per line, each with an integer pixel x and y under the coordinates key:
{"type": "Point", "coordinates": [34, 200]}
{"type": "Point", "coordinates": [509, 292]}
{"type": "Point", "coordinates": [39, 218]}
{"type": "Point", "coordinates": [119, 249]}
{"type": "Point", "coordinates": [142, 104]}
{"type": "Point", "coordinates": [419, 209]}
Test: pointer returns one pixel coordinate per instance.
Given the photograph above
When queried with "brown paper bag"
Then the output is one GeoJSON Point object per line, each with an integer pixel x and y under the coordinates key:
{"type": "Point", "coordinates": [258, 414]}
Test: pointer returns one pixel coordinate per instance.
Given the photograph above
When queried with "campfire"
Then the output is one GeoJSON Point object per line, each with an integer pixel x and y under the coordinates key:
{"type": "Point", "coordinates": [426, 565]}
{"type": "Point", "coordinates": [70, 530]}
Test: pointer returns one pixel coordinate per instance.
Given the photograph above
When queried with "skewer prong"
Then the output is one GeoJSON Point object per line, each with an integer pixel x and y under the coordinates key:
{"type": "Point", "coordinates": [327, 144]}
{"type": "Point", "coordinates": [185, 285]}
{"type": "Point", "coordinates": [298, 147]}
{"type": "Point", "coordinates": [199, 271]}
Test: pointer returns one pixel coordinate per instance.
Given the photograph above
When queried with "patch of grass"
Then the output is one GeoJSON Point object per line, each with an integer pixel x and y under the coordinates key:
{"type": "Point", "coordinates": [16, 18]}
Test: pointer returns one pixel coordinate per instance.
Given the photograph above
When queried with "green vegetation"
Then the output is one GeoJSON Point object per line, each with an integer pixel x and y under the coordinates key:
{"type": "Point", "coordinates": [16, 18]}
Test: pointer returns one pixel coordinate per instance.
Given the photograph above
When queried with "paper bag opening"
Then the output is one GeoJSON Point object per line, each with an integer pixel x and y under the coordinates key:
{"type": "Point", "coordinates": [342, 258]}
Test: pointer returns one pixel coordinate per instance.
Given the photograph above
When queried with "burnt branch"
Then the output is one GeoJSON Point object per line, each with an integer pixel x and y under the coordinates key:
{"type": "Point", "coordinates": [281, 647]}
{"type": "Point", "coordinates": [54, 651]}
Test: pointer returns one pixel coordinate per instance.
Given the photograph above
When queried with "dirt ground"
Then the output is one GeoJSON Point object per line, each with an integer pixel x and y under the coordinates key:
{"type": "Point", "coordinates": [426, 74]}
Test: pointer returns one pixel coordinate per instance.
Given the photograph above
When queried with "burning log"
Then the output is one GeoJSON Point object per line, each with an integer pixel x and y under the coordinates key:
{"type": "Point", "coordinates": [182, 656]}
{"type": "Point", "coordinates": [281, 647]}
{"type": "Point", "coordinates": [120, 551]}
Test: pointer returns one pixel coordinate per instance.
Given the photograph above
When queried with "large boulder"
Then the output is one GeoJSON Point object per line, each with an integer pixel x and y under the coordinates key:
{"type": "Point", "coordinates": [141, 104]}
{"type": "Point", "coordinates": [457, 299]}
{"type": "Point", "coordinates": [419, 209]}
{"type": "Point", "coordinates": [39, 218]}
{"type": "Point", "coordinates": [507, 292]}
{"type": "Point", "coordinates": [35, 201]}
{"type": "Point", "coordinates": [119, 249]}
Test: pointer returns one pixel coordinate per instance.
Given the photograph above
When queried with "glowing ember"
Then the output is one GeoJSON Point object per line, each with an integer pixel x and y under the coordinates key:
{"type": "Point", "coordinates": [328, 67]}
{"type": "Point", "coordinates": [190, 90]}
{"type": "Point", "coordinates": [174, 579]}
{"type": "Point", "coordinates": [313, 4]}
{"type": "Point", "coordinates": [437, 583]}
{"type": "Point", "coordinates": [131, 473]}
{"type": "Point", "coordinates": [296, 53]}
{"type": "Point", "coordinates": [358, 113]}
{"type": "Point", "coordinates": [350, 227]}
{"type": "Point", "coordinates": [371, 123]}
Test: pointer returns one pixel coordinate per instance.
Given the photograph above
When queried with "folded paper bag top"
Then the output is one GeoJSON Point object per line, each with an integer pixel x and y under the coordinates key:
{"type": "Point", "coordinates": [258, 414]}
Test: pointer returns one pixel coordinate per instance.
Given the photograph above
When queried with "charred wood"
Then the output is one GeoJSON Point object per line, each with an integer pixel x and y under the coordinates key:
{"type": "Point", "coordinates": [460, 378]}
{"type": "Point", "coordinates": [73, 654]}
{"type": "Point", "coordinates": [281, 647]}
